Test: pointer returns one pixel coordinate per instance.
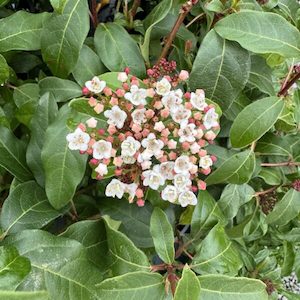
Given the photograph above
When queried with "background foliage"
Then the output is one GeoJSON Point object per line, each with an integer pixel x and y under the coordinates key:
{"type": "Point", "coordinates": [62, 239]}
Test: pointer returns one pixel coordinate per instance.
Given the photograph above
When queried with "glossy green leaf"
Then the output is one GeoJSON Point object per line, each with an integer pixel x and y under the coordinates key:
{"type": "Point", "coordinates": [88, 65]}
{"type": "Point", "coordinates": [216, 254]}
{"type": "Point", "coordinates": [11, 295]}
{"type": "Point", "coordinates": [45, 114]}
{"type": "Point", "coordinates": [135, 222]}
{"type": "Point", "coordinates": [126, 257]}
{"type": "Point", "coordinates": [220, 287]}
{"type": "Point", "coordinates": [233, 197]}
{"type": "Point", "coordinates": [64, 168]}
{"type": "Point", "coordinates": [25, 93]}
{"type": "Point", "coordinates": [271, 176]}
{"type": "Point", "coordinates": [133, 286]}
{"type": "Point", "coordinates": [237, 169]}
{"type": "Point", "coordinates": [155, 16]}
{"type": "Point", "coordinates": [123, 50]}
{"type": "Point", "coordinates": [188, 287]}
{"type": "Point", "coordinates": [163, 237]}
{"type": "Point", "coordinates": [221, 68]}
{"type": "Point", "coordinates": [286, 209]}
{"type": "Point", "coordinates": [255, 120]}
{"type": "Point", "coordinates": [61, 89]}
{"type": "Point", "coordinates": [12, 156]}
{"type": "Point", "coordinates": [261, 75]}
{"type": "Point", "coordinates": [261, 32]}
{"type": "Point", "coordinates": [56, 262]}
{"type": "Point", "coordinates": [13, 268]}
{"type": "Point", "coordinates": [58, 5]}
{"type": "Point", "coordinates": [206, 215]}
{"type": "Point", "coordinates": [26, 207]}
{"type": "Point", "coordinates": [236, 106]}
{"type": "Point", "coordinates": [22, 31]}
{"type": "Point", "coordinates": [63, 36]}
{"type": "Point", "coordinates": [4, 70]}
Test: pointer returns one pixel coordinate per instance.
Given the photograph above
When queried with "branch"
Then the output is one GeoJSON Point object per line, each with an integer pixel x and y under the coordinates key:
{"type": "Point", "coordinates": [281, 164]}
{"type": "Point", "coordinates": [272, 189]}
{"type": "Point", "coordinates": [134, 8]}
{"type": "Point", "coordinates": [185, 9]}
{"type": "Point", "coordinates": [289, 82]}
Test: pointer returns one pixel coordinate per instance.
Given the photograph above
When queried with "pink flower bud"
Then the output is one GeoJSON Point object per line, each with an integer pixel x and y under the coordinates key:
{"type": "Point", "coordinates": [139, 193]}
{"type": "Point", "coordinates": [107, 91]}
{"type": "Point", "coordinates": [183, 75]}
{"type": "Point", "coordinates": [194, 188]}
{"type": "Point", "coordinates": [113, 152]}
{"type": "Point", "coordinates": [82, 126]}
{"type": "Point", "coordinates": [201, 185]}
{"type": "Point", "coordinates": [136, 128]}
{"type": "Point", "coordinates": [172, 144]}
{"type": "Point", "coordinates": [210, 135]}
{"type": "Point", "coordinates": [125, 86]}
{"type": "Point", "coordinates": [118, 161]}
{"type": "Point", "coordinates": [89, 151]}
{"type": "Point", "coordinates": [85, 91]}
{"type": "Point", "coordinates": [172, 155]}
{"type": "Point", "coordinates": [120, 93]}
{"type": "Point", "coordinates": [94, 162]}
{"type": "Point", "coordinates": [121, 137]}
{"type": "Point", "coordinates": [202, 153]}
{"type": "Point", "coordinates": [197, 116]}
{"type": "Point", "coordinates": [213, 158]}
{"type": "Point", "coordinates": [128, 133]}
{"type": "Point", "coordinates": [140, 202]}
{"type": "Point", "coordinates": [114, 101]}
{"type": "Point", "coordinates": [92, 102]}
{"type": "Point", "coordinates": [138, 136]}
{"type": "Point", "coordinates": [91, 142]}
{"type": "Point", "coordinates": [101, 131]}
{"type": "Point", "coordinates": [158, 105]}
{"type": "Point", "coordinates": [111, 129]}
{"type": "Point", "coordinates": [149, 113]}
{"type": "Point", "coordinates": [164, 140]}
{"type": "Point", "coordinates": [106, 161]}
{"type": "Point", "coordinates": [150, 92]}
{"type": "Point", "coordinates": [145, 132]}
{"type": "Point", "coordinates": [193, 159]}
{"type": "Point", "coordinates": [165, 132]}
{"type": "Point", "coordinates": [165, 113]}
{"type": "Point", "coordinates": [129, 106]}
{"type": "Point", "coordinates": [188, 105]}
{"type": "Point", "coordinates": [110, 139]}
{"type": "Point", "coordinates": [118, 172]}
{"type": "Point", "coordinates": [127, 70]}
{"type": "Point", "coordinates": [150, 72]}
{"type": "Point", "coordinates": [185, 146]}
{"type": "Point", "coordinates": [164, 158]}
{"type": "Point", "coordinates": [187, 95]}
{"type": "Point", "coordinates": [201, 143]}
{"type": "Point", "coordinates": [206, 172]}
{"type": "Point", "coordinates": [99, 108]}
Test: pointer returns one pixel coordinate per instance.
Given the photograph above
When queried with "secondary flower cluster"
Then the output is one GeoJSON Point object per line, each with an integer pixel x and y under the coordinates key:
{"type": "Point", "coordinates": [154, 137]}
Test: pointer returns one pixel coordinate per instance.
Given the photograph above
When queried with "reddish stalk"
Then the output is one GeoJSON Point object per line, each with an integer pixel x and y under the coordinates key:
{"type": "Point", "coordinates": [281, 164]}
{"type": "Point", "coordinates": [288, 82]}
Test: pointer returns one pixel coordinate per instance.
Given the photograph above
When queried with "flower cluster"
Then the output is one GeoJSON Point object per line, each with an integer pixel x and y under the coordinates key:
{"type": "Point", "coordinates": [154, 137]}
{"type": "Point", "coordinates": [291, 284]}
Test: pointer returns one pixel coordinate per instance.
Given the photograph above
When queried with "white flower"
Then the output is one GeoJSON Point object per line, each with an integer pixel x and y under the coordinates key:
{"type": "Point", "coordinates": [210, 119]}
{"type": "Point", "coordinates": [163, 87]}
{"type": "Point", "coordinates": [129, 160]}
{"type": "Point", "coordinates": [122, 76]}
{"type": "Point", "coordinates": [138, 116]}
{"type": "Point", "coordinates": [131, 189]}
{"type": "Point", "coordinates": [159, 126]}
{"type": "Point", "coordinates": [187, 133]}
{"type": "Point", "coordinates": [78, 140]}
{"type": "Point", "coordinates": [136, 96]}
{"type": "Point", "coordinates": [181, 115]}
{"type": "Point", "coordinates": [101, 169]}
{"type": "Point", "coordinates": [182, 182]}
{"type": "Point", "coordinates": [169, 193]}
{"type": "Point", "coordinates": [116, 116]}
{"type": "Point", "coordinates": [187, 198]}
{"type": "Point", "coordinates": [92, 122]}
{"type": "Point", "coordinates": [95, 85]}
{"type": "Point", "coordinates": [167, 169]}
{"type": "Point", "coordinates": [172, 100]}
{"type": "Point", "coordinates": [195, 148]}
{"type": "Point", "coordinates": [152, 145]}
{"type": "Point", "coordinates": [205, 162]}
{"type": "Point", "coordinates": [130, 146]}
{"type": "Point", "coordinates": [153, 179]}
{"type": "Point", "coordinates": [198, 99]}
{"type": "Point", "coordinates": [182, 165]}
{"type": "Point", "coordinates": [102, 149]}
{"type": "Point", "coordinates": [115, 188]}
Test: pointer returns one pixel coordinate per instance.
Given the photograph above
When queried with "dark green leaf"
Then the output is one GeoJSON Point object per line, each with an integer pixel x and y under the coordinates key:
{"type": "Point", "coordinates": [4, 70]}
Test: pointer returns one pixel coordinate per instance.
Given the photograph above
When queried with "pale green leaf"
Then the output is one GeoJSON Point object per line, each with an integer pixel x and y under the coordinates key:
{"type": "Point", "coordinates": [11, 295]}
{"type": "Point", "coordinates": [63, 36]}
{"type": "Point", "coordinates": [271, 176]}
{"type": "Point", "coordinates": [58, 5]}
{"type": "Point", "coordinates": [22, 31]}
{"type": "Point", "coordinates": [123, 50]}
{"type": "Point", "coordinates": [163, 237]}
{"type": "Point", "coordinates": [236, 106]}
{"type": "Point", "coordinates": [221, 68]}
{"type": "Point", "coordinates": [26, 207]}
{"type": "Point", "coordinates": [4, 70]}
{"type": "Point", "coordinates": [237, 169]}
{"type": "Point", "coordinates": [28, 92]}
{"type": "Point", "coordinates": [261, 32]}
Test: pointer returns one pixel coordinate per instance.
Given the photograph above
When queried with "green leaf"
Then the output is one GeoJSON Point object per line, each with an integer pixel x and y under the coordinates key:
{"type": "Point", "coordinates": [22, 31]}
{"type": "Point", "coordinates": [58, 5]}
{"type": "Point", "coordinates": [233, 197]}
{"type": "Point", "coordinates": [4, 70]}
{"type": "Point", "coordinates": [220, 287]}
{"type": "Point", "coordinates": [61, 89]}
{"type": "Point", "coordinates": [236, 106]}
{"type": "Point", "coordinates": [286, 209]}
{"type": "Point", "coordinates": [125, 256]}
{"type": "Point", "coordinates": [188, 287]}
{"type": "Point", "coordinates": [271, 176]}
{"type": "Point", "coordinates": [123, 50]}
{"type": "Point", "coordinates": [255, 120]}
{"type": "Point", "coordinates": [221, 68]}
{"type": "Point", "coordinates": [133, 286]}
{"type": "Point", "coordinates": [10, 295]}
{"type": "Point", "coordinates": [88, 65]}
{"type": "Point", "coordinates": [13, 268]}
{"type": "Point", "coordinates": [63, 36]}
{"type": "Point", "coordinates": [206, 215]}
{"type": "Point", "coordinates": [64, 168]}
{"type": "Point", "coordinates": [92, 235]}
{"type": "Point", "coordinates": [135, 222]}
{"type": "Point", "coordinates": [236, 169]}
{"type": "Point", "coordinates": [261, 75]}
{"type": "Point", "coordinates": [261, 32]}
{"type": "Point", "coordinates": [45, 114]}
{"type": "Point", "coordinates": [163, 236]}
{"type": "Point", "coordinates": [58, 265]}
{"type": "Point", "coordinates": [156, 15]}
{"type": "Point", "coordinates": [217, 254]}
{"type": "Point", "coordinates": [26, 207]}
{"type": "Point", "coordinates": [12, 156]}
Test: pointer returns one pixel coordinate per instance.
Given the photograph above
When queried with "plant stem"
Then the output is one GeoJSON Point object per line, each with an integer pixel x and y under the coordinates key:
{"type": "Point", "coordinates": [195, 19]}
{"type": "Point", "coordinates": [288, 82]}
{"type": "Point", "coordinates": [270, 190]}
{"type": "Point", "coordinates": [281, 164]}
{"type": "Point", "coordinates": [94, 13]}
{"type": "Point", "coordinates": [185, 9]}
{"type": "Point", "coordinates": [134, 8]}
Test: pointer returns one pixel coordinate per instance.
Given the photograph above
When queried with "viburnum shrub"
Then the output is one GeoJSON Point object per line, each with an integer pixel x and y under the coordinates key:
{"type": "Point", "coordinates": [156, 135]}
{"type": "Point", "coordinates": [149, 149]}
